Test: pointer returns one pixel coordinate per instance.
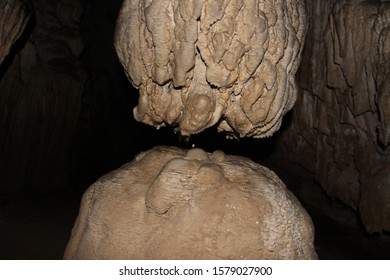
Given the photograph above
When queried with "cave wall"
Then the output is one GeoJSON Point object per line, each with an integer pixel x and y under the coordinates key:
{"type": "Point", "coordinates": [65, 102]}
{"type": "Point", "coordinates": [40, 92]}
{"type": "Point", "coordinates": [14, 16]}
{"type": "Point", "coordinates": [340, 126]}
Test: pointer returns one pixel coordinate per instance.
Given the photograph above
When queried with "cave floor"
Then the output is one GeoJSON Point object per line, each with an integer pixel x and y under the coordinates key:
{"type": "Point", "coordinates": [39, 228]}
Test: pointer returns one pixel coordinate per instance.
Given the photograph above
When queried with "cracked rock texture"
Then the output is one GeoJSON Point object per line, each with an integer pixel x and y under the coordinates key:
{"type": "Point", "coordinates": [198, 63]}
{"type": "Point", "coordinates": [14, 16]}
{"type": "Point", "coordinates": [171, 203]}
{"type": "Point", "coordinates": [340, 128]}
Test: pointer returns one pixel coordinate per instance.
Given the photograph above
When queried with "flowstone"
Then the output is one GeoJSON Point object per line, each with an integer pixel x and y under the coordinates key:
{"type": "Point", "coordinates": [201, 63]}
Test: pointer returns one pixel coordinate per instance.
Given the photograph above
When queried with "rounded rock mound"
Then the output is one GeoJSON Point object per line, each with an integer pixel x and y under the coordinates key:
{"type": "Point", "coordinates": [171, 203]}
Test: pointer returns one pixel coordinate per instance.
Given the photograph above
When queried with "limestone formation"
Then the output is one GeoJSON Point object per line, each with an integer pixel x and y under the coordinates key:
{"type": "Point", "coordinates": [340, 128]}
{"type": "Point", "coordinates": [13, 19]}
{"type": "Point", "coordinates": [171, 203]}
{"type": "Point", "coordinates": [199, 63]}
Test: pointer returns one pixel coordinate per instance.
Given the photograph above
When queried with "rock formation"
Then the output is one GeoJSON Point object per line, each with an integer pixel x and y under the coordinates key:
{"type": "Point", "coordinates": [56, 96]}
{"type": "Point", "coordinates": [13, 19]}
{"type": "Point", "coordinates": [340, 128]}
{"type": "Point", "coordinates": [200, 63]}
{"type": "Point", "coordinates": [171, 203]}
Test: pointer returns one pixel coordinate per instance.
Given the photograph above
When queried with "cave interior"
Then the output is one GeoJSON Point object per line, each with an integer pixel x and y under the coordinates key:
{"type": "Point", "coordinates": [66, 119]}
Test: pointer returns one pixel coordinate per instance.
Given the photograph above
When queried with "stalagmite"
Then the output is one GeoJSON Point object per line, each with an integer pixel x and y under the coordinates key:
{"type": "Point", "coordinates": [171, 203]}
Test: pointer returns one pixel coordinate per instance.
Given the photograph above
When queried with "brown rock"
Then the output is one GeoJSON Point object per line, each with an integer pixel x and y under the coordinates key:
{"type": "Point", "coordinates": [341, 121]}
{"type": "Point", "coordinates": [13, 19]}
{"type": "Point", "coordinates": [176, 204]}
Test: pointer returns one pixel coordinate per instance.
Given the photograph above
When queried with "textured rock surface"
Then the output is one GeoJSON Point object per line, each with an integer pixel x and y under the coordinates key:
{"type": "Point", "coordinates": [13, 19]}
{"type": "Point", "coordinates": [341, 123]}
{"type": "Point", "coordinates": [187, 204]}
{"type": "Point", "coordinates": [199, 63]}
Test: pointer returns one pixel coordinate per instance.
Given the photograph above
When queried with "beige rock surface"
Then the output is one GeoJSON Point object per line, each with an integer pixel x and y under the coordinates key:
{"type": "Point", "coordinates": [198, 63]}
{"type": "Point", "coordinates": [171, 203]}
